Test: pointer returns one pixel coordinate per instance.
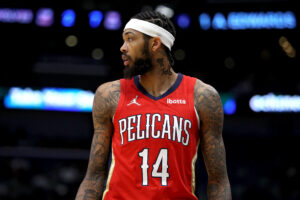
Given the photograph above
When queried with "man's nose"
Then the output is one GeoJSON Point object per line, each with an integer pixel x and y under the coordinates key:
{"type": "Point", "coordinates": [123, 48]}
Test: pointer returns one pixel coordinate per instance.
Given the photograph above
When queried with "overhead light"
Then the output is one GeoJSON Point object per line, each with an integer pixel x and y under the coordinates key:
{"type": "Point", "coordinates": [179, 54]}
{"type": "Point", "coordinates": [229, 103]}
{"type": "Point", "coordinates": [261, 20]}
{"type": "Point", "coordinates": [71, 41]}
{"type": "Point", "coordinates": [183, 20]}
{"type": "Point", "coordinates": [275, 103]}
{"type": "Point", "coordinates": [205, 21]}
{"type": "Point", "coordinates": [68, 18]}
{"type": "Point", "coordinates": [97, 54]}
{"type": "Point", "coordinates": [165, 10]}
{"type": "Point", "coordinates": [229, 107]}
{"type": "Point", "coordinates": [59, 99]}
{"type": "Point", "coordinates": [287, 47]}
{"type": "Point", "coordinates": [44, 17]}
{"type": "Point", "coordinates": [219, 21]}
{"type": "Point", "coordinates": [112, 20]}
{"type": "Point", "coordinates": [22, 16]}
{"type": "Point", "coordinates": [95, 18]}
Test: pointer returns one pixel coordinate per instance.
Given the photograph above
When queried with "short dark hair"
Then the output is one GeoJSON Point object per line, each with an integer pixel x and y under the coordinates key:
{"type": "Point", "coordinates": [162, 21]}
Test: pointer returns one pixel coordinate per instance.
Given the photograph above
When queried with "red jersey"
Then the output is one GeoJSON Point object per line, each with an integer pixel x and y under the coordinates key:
{"type": "Point", "coordinates": [154, 144]}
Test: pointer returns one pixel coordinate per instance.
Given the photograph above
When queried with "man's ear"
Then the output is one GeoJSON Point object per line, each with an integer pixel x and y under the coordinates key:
{"type": "Point", "coordinates": [155, 43]}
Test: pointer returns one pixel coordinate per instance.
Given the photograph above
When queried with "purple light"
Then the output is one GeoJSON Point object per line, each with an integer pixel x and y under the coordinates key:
{"type": "Point", "coordinates": [112, 20]}
{"type": "Point", "coordinates": [44, 17]}
{"type": "Point", "coordinates": [22, 16]}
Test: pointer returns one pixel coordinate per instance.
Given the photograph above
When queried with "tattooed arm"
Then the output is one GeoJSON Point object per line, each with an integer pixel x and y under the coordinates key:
{"type": "Point", "coordinates": [105, 102]}
{"type": "Point", "coordinates": [209, 108]}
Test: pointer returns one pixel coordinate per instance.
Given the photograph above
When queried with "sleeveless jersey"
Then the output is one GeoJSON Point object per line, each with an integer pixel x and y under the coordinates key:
{"type": "Point", "coordinates": [154, 144]}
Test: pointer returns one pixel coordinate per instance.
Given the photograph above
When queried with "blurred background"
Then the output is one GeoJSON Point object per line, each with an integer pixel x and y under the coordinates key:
{"type": "Point", "coordinates": [54, 54]}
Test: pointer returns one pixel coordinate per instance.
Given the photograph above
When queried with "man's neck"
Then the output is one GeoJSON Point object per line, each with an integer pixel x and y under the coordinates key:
{"type": "Point", "coordinates": [157, 82]}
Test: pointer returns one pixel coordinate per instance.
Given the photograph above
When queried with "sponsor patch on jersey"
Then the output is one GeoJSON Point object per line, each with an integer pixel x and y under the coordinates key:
{"type": "Point", "coordinates": [176, 101]}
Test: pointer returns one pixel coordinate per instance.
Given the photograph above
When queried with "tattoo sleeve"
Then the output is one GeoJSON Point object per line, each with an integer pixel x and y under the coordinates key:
{"type": "Point", "coordinates": [210, 110]}
{"type": "Point", "coordinates": [105, 103]}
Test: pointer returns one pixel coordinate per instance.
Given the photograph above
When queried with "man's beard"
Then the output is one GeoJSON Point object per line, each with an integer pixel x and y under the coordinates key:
{"type": "Point", "coordinates": [140, 67]}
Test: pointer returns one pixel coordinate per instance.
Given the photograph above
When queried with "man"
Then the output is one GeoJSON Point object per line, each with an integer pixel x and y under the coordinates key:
{"type": "Point", "coordinates": [153, 122]}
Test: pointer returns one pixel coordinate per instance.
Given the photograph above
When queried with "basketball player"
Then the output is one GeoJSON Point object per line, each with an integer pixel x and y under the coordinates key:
{"type": "Point", "coordinates": [152, 122]}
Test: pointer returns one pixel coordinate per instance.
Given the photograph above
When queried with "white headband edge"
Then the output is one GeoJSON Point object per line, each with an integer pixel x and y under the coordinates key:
{"type": "Point", "coordinates": [152, 30]}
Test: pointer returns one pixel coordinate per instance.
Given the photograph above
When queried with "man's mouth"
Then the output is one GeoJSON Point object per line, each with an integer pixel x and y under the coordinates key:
{"type": "Point", "coordinates": [125, 60]}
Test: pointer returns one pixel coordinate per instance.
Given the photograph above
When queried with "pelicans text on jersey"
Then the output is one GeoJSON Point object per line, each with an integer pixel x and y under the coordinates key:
{"type": "Point", "coordinates": [154, 144]}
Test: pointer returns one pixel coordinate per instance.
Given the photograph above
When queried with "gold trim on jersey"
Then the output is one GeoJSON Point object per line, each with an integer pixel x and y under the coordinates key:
{"type": "Point", "coordinates": [112, 166]}
{"type": "Point", "coordinates": [193, 169]}
{"type": "Point", "coordinates": [198, 118]}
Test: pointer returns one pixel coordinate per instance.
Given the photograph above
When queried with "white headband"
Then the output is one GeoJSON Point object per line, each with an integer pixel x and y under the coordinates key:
{"type": "Point", "coordinates": [152, 30]}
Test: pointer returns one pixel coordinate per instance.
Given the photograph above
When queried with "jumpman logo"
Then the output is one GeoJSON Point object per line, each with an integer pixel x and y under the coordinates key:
{"type": "Point", "coordinates": [133, 101]}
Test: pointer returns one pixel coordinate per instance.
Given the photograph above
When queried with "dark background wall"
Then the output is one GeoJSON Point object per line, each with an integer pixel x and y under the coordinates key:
{"type": "Point", "coordinates": [44, 154]}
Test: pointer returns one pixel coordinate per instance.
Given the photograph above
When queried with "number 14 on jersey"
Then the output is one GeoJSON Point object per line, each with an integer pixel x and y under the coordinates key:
{"type": "Point", "coordinates": [161, 161]}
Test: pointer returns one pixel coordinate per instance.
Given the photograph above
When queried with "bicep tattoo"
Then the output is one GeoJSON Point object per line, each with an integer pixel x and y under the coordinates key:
{"type": "Point", "coordinates": [209, 107]}
{"type": "Point", "coordinates": [105, 103]}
